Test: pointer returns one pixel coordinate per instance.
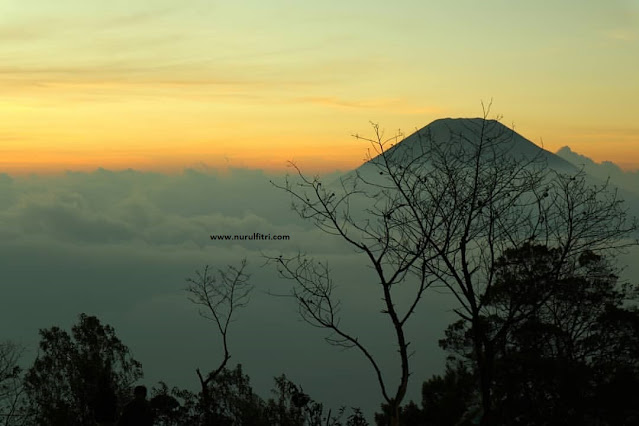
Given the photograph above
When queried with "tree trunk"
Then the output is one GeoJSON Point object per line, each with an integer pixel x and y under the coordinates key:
{"type": "Point", "coordinates": [394, 414]}
{"type": "Point", "coordinates": [484, 355]}
{"type": "Point", "coordinates": [207, 418]}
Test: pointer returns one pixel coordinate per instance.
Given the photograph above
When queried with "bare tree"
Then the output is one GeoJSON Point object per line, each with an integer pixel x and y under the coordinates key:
{"type": "Point", "coordinates": [219, 296]}
{"type": "Point", "coordinates": [12, 407]}
{"type": "Point", "coordinates": [439, 209]}
{"type": "Point", "coordinates": [383, 241]}
{"type": "Point", "coordinates": [495, 202]}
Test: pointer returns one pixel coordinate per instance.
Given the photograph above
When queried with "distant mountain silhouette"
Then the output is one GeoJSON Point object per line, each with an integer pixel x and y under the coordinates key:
{"type": "Point", "coordinates": [626, 182]}
{"type": "Point", "coordinates": [629, 180]}
{"type": "Point", "coordinates": [466, 131]}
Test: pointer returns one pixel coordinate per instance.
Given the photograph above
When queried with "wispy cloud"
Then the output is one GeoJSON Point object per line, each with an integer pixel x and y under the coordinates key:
{"type": "Point", "coordinates": [338, 102]}
{"type": "Point", "coordinates": [603, 134]}
{"type": "Point", "coordinates": [391, 105]}
{"type": "Point", "coordinates": [621, 34]}
{"type": "Point", "coordinates": [136, 18]}
{"type": "Point", "coordinates": [20, 33]}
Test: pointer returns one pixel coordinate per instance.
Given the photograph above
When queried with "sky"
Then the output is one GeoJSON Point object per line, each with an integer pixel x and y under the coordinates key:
{"type": "Point", "coordinates": [157, 85]}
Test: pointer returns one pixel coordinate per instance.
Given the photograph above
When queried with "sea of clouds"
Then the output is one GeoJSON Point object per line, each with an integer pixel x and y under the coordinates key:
{"type": "Point", "coordinates": [120, 245]}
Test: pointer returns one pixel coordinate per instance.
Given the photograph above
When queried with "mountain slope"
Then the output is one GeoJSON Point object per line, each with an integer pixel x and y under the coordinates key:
{"type": "Point", "coordinates": [467, 132]}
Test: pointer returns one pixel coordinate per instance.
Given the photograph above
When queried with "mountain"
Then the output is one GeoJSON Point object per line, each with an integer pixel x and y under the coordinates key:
{"type": "Point", "coordinates": [464, 132]}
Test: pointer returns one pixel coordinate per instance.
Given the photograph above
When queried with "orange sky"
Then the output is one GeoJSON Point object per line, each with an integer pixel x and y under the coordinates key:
{"type": "Point", "coordinates": [154, 86]}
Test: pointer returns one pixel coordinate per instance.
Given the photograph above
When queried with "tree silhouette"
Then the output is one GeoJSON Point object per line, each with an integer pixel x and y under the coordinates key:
{"type": "Point", "coordinates": [565, 344]}
{"type": "Point", "coordinates": [437, 210]}
{"type": "Point", "coordinates": [233, 402]}
{"type": "Point", "coordinates": [69, 372]}
{"type": "Point", "coordinates": [175, 407]}
{"type": "Point", "coordinates": [220, 296]}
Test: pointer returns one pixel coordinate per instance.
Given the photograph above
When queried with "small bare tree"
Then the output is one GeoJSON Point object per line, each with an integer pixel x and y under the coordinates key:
{"type": "Point", "coordinates": [219, 296]}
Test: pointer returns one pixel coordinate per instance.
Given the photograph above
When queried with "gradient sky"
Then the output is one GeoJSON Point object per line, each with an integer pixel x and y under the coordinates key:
{"type": "Point", "coordinates": [160, 85]}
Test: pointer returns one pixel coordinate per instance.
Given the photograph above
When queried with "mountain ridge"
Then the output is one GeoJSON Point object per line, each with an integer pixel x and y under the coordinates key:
{"type": "Point", "coordinates": [464, 130]}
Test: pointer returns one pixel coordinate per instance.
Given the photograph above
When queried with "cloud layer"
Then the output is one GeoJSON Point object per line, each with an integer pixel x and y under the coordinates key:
{"type": "Point", "coordinates": [120, 245]}
{"type": "Point", "coordinates": [628, 180]}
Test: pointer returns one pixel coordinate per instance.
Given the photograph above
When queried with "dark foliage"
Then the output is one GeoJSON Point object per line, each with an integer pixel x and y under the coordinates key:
{"type": "Point", "coordinates": [233, 402]}
{"type": "Point", "coordinates": [565, 340]}
{"type": "Point", "coordinates": [13, 410]}
{"type": "Point", "coordinates": [76, 377]}
{"type": "Point", "coordinates": [451, 399]}
{"type": "Point", "coordinates": [173, 407]}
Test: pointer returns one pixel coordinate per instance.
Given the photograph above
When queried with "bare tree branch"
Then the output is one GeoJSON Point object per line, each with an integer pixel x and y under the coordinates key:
{"type": "Point", "coordinates": [13, 410]}
{"type": "Point", "coordinates": [219, 296]}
